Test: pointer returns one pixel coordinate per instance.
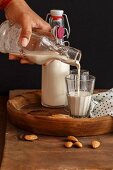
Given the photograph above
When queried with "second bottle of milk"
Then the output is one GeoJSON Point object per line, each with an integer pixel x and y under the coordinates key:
{"type": "Point", "coordinates": [53, 75]}
{"type": "Point", "coordinates": [53, 83]}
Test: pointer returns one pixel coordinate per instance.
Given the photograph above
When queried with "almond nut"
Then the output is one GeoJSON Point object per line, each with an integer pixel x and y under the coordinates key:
{"type": "Point", "coordinates": [30, 137]}
{"type": "Point", "coordinates": [68, 144]}
{"type": "Point", "coordinates": [95, 144]}
{"type": "Point", "coordinates": [78, 144]}
{"type": "Point", "coordinates": [72, 139]}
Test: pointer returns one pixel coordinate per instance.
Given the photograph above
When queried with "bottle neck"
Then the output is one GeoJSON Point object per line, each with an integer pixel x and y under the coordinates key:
{"type": "Point", "coordinates": [56, 17]}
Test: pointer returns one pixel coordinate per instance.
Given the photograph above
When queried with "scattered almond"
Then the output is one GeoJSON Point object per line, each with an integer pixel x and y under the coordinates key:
{"type": "Point", "coordinates": [68, 144]}
{"type": "Point", "coordinates": [30, 137]}
{"type": "Point", "coordinates": [72, 139]}
{"type": "Point", "coordinates": [95, 144]}
{"type": "Point", "coordinates": [78, 144]}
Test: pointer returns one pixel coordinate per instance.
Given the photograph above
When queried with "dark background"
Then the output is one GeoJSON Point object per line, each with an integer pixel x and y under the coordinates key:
{"type": "Point", "coordinates": [91, 24]}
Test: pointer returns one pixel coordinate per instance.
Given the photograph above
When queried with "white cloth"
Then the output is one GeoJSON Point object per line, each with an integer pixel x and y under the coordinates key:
{"type": "Point", "coordinates": [101, 104]}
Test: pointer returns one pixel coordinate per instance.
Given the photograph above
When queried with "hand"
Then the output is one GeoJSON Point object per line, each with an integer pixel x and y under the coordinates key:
{"type": "Point", "coordinates": [26, 17]}
{"type": "Point", "coordinates": [22, 59]}
{"type": "Point", "coordinates": [28, 20]}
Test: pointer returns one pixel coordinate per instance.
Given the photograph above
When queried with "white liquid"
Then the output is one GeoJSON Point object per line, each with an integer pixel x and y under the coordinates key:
{"type": "Point", "coordinates": [79, 105]}
{"type": "Point", "coordinates": [42, 57]}
{"type": "Point", "coordinates": [53, 83]}
{"type": "Point", "coordinates": [78, 79]}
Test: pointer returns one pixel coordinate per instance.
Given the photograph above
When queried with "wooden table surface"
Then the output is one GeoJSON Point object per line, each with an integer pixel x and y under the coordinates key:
{"type": "Point", "coordinates": [48, 153]}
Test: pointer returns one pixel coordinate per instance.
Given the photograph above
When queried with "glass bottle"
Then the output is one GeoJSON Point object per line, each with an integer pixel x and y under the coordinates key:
{"type": "Point", "coordinates": [41, 48]}
{"type": "Point", "coordinates": [53, 75]}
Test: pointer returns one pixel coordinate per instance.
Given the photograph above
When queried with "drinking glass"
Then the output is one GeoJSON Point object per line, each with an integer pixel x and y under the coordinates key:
{"type": "Point", "coordinates": [84, 75]}
{"type": "Point", "coordinates": [79, 101]}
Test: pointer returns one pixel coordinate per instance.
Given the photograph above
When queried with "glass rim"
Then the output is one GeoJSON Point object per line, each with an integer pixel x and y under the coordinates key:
{"type": "Point", "coordinates": [91, 77]}
{"type": "Point", "coordinates": [78, 52]}
{"type": "Point", "coordinates": [75, 69]}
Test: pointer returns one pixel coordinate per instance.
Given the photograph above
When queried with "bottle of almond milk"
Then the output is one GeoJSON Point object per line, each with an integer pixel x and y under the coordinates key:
{"type": "Point", "coordinates": [53, 75]}
{"type": "Point", "coordinates": [41, 48]}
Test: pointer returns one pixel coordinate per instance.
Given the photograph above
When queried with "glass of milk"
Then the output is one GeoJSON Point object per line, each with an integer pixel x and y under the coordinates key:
{"type": "Point", "coordinates": [79, 101]}
{"type": "Point", "coordinates": [84, 75]}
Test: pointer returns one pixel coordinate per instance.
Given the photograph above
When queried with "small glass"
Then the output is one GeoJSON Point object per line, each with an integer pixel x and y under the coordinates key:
{"type": "Point", "coordinates": [84, 75]}
{"type": "Point", "coordinates": [79, 103]}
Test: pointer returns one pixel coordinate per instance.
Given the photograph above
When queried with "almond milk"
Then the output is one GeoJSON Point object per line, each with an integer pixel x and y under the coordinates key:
{"type": "Point", "coordinates": [79, 105]}
{"type": "Point", "coordinates": [53, 83]}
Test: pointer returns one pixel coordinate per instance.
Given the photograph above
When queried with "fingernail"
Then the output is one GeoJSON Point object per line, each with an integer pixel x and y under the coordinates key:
{"type": "Point", "coordinates": [12, 57]}
{"type": "Point", "coordinates": [25, 42]}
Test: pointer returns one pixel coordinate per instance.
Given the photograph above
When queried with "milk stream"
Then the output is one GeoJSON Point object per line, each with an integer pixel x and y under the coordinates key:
{"type": "Point", "coordinates": [77, 64]}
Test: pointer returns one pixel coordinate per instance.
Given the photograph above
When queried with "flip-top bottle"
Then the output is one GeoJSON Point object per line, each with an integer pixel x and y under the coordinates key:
{"type": "Point", "coordinates": [40, 49]}
{"type": "Point", "coordinates": [53, 75]}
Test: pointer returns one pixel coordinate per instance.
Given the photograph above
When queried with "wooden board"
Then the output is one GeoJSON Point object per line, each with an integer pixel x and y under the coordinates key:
{"type": "Point", "coordinates": [26, 112]}
{"type": "Point", "coordinates": [3, 121]}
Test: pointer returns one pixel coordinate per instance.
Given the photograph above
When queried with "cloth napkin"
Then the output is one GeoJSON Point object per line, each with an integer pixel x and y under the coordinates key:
{"type": "Point", "coordinates": [102, 104]}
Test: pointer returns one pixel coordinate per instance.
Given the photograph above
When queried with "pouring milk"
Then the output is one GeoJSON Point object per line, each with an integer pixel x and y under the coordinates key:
{"type": "Point", "coordinates": [40, 49]}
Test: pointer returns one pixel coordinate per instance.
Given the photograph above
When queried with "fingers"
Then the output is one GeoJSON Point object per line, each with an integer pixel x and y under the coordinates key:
{"type": "Point", "coordinates": [43, 32]}
{"type": "Point", "coordinates": [25, 61]}
{"type": "Point", "coordinates": [43, 25]}
{"type": "Point", "coordinates": [20, 59]}
{"type": "Point", "coordinates": [47, 63]}
{"type": "Point", "coordinates": [26, 31]}
{"type": "Point", "coordinates": [12, 57]}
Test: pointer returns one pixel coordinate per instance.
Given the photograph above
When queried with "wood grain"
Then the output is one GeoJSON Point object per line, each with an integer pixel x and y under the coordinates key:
{"type": "Point", "coordinates": [48, 153]}
{"type": "Point", "coordinates": [26, 112]}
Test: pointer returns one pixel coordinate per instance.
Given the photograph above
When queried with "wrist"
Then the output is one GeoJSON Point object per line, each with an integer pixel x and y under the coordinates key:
{"type": "Point", "coordinates": [4, 4]}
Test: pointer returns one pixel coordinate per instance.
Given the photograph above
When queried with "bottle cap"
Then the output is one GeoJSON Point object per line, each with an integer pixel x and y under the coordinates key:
{"type": "Point", "coordinates": [56, 12]}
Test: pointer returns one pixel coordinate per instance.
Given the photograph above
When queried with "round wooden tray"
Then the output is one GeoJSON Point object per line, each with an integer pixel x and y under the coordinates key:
{"type": "Point", "coordinates": [25, 111]}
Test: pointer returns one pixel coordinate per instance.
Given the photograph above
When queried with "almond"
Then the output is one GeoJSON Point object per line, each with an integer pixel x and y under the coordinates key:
{"type": "Point", "coordinates": [78, 144]}
{"type": "Point", "coordinates": [30, 137]}
{"type": "Point", "coordinates": [72, 139]}
{"type": "Point", "coordinates": [95, 144]}
{"type": "Point", "coordinates": [68, 144]}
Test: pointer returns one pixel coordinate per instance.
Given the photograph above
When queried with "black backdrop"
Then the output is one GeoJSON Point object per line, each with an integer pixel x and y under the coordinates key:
{"type": "Point", "coordinates": [91, 24]}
